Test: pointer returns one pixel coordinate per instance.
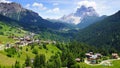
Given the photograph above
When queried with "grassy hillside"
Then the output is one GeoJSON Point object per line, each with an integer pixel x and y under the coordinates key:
{"type": "Point", "coordinates": [6, 31]}
{"type": "Point", "coordinates": [27, 51]}
{"type": "Point", "coordinates": [9, 28]}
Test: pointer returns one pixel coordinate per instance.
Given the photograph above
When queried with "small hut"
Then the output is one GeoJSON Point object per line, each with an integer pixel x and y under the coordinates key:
{"type": "Point", "coordinates": [115, 56]}
{"type": "Point", "coordinates": [77, 59]}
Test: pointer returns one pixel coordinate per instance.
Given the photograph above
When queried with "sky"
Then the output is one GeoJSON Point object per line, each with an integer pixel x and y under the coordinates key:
{"type": "Point", "coordinates": [55, 9]}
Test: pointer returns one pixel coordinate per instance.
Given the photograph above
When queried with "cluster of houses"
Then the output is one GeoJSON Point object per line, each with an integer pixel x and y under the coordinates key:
{"type": "Point", "coordinates": [22, 41]}
{"type": "Point", "coordinates": [26, 40]}
{"type": "Point", "coordinates": [93, 58]}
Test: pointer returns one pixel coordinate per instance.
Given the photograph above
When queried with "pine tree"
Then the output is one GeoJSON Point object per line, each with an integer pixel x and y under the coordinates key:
{"type": "Point", "coordinates": [54, 62]}
{"type": "Point", "coordinates": [70, 60]}
{"type": "Point", "coordinates": [36, 61]}
{"type": "Point", "coordinates": [27, 61]}
{"type": "Point", "coordinates": [17, 64]}
{"type": "Point", "coordinates": [39, 61]}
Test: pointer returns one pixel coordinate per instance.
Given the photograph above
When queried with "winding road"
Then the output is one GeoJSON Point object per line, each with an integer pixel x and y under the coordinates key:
{"type": "Point", "coordinates": [102, 63]}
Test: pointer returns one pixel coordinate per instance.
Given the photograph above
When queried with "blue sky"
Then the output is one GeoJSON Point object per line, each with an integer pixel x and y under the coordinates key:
{"type": "Point", "coordinates": [57, 8]}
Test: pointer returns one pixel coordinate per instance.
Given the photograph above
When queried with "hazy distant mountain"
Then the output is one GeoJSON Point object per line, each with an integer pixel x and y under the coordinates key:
{"type": "Point", "coordinates": [83, 17]}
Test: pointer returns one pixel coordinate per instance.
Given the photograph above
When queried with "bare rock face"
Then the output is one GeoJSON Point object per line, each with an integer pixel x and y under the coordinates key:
{"type": "Point", "coordinates": [26, 18]}
{"type": "Point", "coordinates": [85, 11]}
{"type": "Point", "coordinates": [83, 17]}
{"type": "Point", "coordinates": [8, 8]}
{"type": "Point", "coordinates": [15, 11]}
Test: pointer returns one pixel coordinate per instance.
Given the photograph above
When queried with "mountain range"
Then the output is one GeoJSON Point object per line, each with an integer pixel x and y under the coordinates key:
{"type": "Point", "coordinates": [28, 19]}
{"type": "Point", "coordinates": [94, 28]}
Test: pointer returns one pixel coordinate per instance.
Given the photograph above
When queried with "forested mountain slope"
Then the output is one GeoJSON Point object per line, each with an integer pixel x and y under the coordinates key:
{"type": "Point", "coordinates": [105, 33]}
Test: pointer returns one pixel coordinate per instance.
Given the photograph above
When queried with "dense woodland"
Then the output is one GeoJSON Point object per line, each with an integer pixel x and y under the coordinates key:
{"type": "Point", "coordinates": [104, 34]}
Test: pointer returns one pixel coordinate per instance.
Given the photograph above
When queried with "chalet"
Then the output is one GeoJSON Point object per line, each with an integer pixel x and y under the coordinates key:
{"type": "Point", "coordinates": [115, 56]}
{"type": "Point", "coordinates": [21, 39]}
{"type": "Point", "coordinates": [88, 55]}
{"type": "Point", "coordinates": [28, 39]}
{"type": "Point", "coordinates": [54, 42]}
{"type": "Point", "coordinates": [31, 42]}
{"type": "Point", "coordinates": [92, 58]}
{"type": "Point", "coordinates": [77, 59]}
{"type": "Point", "coordinates": [15, 38]}
{"type": "Point", "coordinates": [37, 41]}
{"type": "Point", "coordinates": [46, 42]}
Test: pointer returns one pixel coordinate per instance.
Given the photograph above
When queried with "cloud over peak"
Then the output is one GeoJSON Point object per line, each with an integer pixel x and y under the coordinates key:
{"type": "Point", "coordinates": [87, 3]}
{"type": "Point", "coordinates": [39, 6]}
{"type": "Point", "coordinates": [54, 10]}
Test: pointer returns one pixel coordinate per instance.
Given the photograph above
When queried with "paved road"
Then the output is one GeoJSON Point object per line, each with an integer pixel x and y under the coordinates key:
{"type": "Point", "coordinates": [102, 63]}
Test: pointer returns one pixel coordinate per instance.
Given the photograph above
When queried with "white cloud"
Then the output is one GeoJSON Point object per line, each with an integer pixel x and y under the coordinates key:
{"type": "Point", "coordinates": [39, 6]}
{"type": "Point", "coordinates": [5, 1]}
{"type": "Point", "coordinates": [55, 10]}
{"type": "Point", "coordinates": [27, 6]}
{"type": "Point", "coordinates": [55, 4]}
{"type": "Point", "coordinates": [87, 3]}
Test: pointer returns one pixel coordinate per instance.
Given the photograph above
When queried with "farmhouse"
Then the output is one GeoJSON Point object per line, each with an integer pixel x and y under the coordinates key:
{"type": "Point", "coordinates": [92, 58]}
{"type": "Point", "coordinates": [115, 56]}
{"type": "Point", "coordinates": [77, 59]}
{"type": "Point", "coordinates": [27, 38]}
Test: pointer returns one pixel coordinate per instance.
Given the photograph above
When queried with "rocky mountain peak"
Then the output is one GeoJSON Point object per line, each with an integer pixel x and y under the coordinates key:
{"type": "Point", "coordinates": [13, 7]}
{"type": "Point", "coordinates": [16, 11]}
{"type": "Point", "coordinates": [80, 15]}
{"type": "Point", "coordinates": [91, 9]}
{"type": "Point", "coordinates": [83, 10]}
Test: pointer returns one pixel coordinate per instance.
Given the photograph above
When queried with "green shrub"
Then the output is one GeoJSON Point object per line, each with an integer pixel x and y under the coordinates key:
{"type": "Point", "coordinates": [26, 49]}
{"type": "Point", "coordinates": [35, 51]}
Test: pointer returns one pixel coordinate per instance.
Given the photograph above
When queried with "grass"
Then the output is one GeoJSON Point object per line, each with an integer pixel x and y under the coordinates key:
{"type": "Point", "coordinates": [9, 61]}
{"type": "Point", "coordinates": [5, 40]}
{"type": "Point", "coordinates": [115, 64]}
{"type": "Point", "coordinates": [7, 30]}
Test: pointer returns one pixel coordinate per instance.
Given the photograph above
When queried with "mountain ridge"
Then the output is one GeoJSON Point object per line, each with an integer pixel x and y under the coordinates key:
{"type": "Point", "coordinates": [104, 33]}
{"type": "Point", "coordinates": [27, 18]}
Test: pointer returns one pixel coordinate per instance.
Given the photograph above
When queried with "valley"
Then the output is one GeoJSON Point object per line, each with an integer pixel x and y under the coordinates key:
{"type": "Point", "coordinates": [80, 39]}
